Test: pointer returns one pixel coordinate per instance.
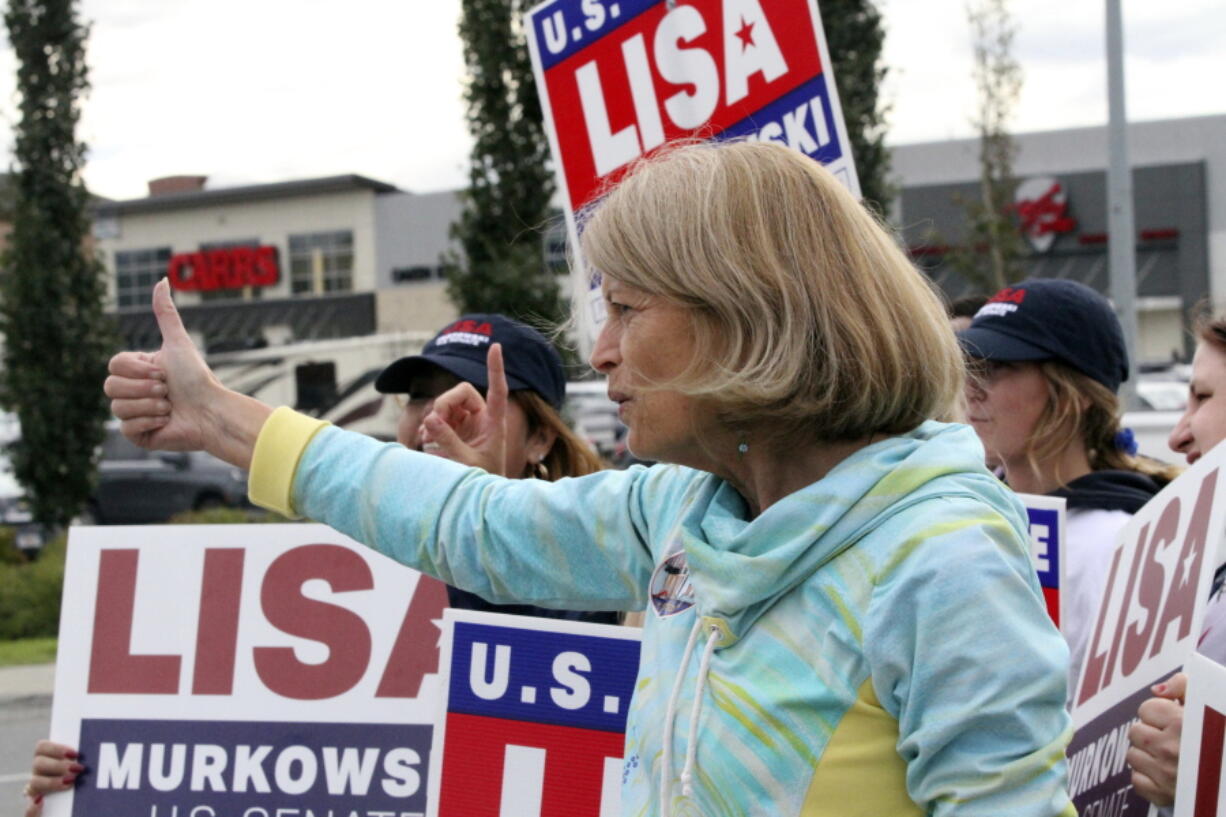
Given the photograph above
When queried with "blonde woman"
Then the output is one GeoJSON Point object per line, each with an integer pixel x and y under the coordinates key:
{"type": "Point", "coordinates": [1047, 359]}
{"type": "Point", "coordinates": [813, 644]}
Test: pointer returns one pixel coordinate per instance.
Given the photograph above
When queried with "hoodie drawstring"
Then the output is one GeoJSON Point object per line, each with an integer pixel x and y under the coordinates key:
{"type": "Point", "coordinates": [691, 750]}
{"type": "Point", "coordinates": [670, 714]}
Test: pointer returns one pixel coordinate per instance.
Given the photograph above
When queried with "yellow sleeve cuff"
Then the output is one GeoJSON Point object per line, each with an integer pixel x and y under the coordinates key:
{"type": "Point", "coordinates": [278, 449]}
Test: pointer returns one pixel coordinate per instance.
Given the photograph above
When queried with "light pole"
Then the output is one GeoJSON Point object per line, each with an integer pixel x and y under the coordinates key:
{"type": "Point", "coordinates": [1121, 229]}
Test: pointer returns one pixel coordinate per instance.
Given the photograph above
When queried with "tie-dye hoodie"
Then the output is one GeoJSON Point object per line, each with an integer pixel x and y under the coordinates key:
{"type": "Point", "coordinates": [874, 644]}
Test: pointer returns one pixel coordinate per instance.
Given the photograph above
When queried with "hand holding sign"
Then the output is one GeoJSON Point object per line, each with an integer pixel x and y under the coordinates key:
{"type": "Point", "coordinates": [1154, 754]}
{"type": "Point", "coordinates": [171, 400]}
{"type": "Point", "coordinates": [470, 429]}
{"type": "Point", "coordinates": [55, 769]}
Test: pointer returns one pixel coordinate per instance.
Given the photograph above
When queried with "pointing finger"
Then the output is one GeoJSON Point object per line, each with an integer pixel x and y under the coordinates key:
{"type": "Point", "coordinates": [496, 394]}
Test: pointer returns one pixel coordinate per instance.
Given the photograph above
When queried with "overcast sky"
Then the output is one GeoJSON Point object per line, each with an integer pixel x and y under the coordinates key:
{"type": "Point", "coordinates": [267, 90]}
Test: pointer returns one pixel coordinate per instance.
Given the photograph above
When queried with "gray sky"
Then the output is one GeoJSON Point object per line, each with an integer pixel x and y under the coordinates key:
{"type": "Point", "coordinates": [266, 90]}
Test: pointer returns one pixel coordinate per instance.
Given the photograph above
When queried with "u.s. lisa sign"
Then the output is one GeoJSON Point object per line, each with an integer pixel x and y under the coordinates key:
{"type": "Point", "coordinates": [620, 78]}
{"type": "Point", "coordinates": [534, 719]}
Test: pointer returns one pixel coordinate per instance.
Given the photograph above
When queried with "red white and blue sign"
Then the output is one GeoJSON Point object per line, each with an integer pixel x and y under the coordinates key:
{"type": "Point", "coordinates": [535, 717]}
{"type": "Point", "coordinates": [618, 79]}
{"type": "Point", "coordinates": [1046, 515]}
{"type": "Point", "coordinates": [255, 670]}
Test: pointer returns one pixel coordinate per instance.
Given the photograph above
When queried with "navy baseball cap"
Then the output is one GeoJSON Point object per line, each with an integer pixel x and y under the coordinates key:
{"type": "Point", "coordinates": [1051, 319]}
{"type": "Point", "coordinates": [531, 361]}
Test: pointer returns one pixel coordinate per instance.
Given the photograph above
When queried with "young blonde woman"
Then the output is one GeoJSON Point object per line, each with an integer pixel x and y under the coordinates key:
{"type": "Point", "coordinates": [1154, 755]}
{"type": "Point", "coordinates": [1047, 359]}
{"type": "Point", "coordinates": [813, 646]}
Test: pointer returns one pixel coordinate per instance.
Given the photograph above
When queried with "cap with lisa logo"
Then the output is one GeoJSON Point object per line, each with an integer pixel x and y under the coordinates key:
{"type": "Point", "coordinates": [1051, 319]}
{"type": "Point", "coordinates": [530, 360]}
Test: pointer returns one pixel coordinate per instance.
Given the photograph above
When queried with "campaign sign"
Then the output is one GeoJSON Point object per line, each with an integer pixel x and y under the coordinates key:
{"type": "Point", "coordinates": [620, 78]}
{"type": "Point", "coordinates": [244, 671]}
{"type": "Point", "coordinates": [1148, 623]}
{"type": "Point", "coordinates": [1201, 788]}
{"type": "Point", "coordinates": [1046, 515]}
{"type": "Point", "coordinates": [535, 717]}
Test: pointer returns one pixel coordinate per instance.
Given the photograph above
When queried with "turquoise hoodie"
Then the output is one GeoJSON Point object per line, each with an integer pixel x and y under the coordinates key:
{"type": "Point", "coordinates": [874, 644]}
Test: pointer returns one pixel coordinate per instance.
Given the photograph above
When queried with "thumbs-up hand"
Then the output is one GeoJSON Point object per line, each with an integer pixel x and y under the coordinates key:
{"type": "Point", "coordinates": [164, 399]}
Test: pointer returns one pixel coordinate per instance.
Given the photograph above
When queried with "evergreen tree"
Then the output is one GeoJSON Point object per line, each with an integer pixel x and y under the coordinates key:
{"type": "Point", "coordinates": [56, 336]}
{"type": "Point", "coordinates": [855, 36]}
{"type": "Point", "coordinates": [992, 250]}
{"type": "Point", "coordinates": [502, 267]}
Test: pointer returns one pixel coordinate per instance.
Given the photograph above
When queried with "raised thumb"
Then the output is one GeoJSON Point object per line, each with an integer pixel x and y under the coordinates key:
{"type": "Point", "coordinates": [167, 315]}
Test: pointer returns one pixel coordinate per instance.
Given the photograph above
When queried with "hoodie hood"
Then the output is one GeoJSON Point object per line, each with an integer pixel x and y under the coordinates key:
{"type": "Point", "coordinates": [739, 567]}
{"type": "Point", "coordinates": [1109, 491]}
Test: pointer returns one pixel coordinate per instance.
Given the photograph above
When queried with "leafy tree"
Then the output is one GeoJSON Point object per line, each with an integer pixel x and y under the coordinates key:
{"type": "Point", "coordinates": [502, 266]}
{"type": "Point", "coordinates": [992, 251]}
{"type": "Point", "coordinates": [855, 36]}
{"type": "Point", "coordinates": [56, 335]}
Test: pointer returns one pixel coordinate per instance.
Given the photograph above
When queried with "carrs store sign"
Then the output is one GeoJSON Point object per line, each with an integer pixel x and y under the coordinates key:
{"type": "Point", "coordinates": [620, 78]}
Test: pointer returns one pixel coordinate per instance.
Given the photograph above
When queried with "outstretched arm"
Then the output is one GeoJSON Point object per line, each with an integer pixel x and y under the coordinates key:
{"type": "Point", "coordinates": [171, 401]}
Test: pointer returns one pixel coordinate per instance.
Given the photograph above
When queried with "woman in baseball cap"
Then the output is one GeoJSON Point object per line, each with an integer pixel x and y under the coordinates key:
{"type": "Point", "coordinates": [1046, 360]}
{"type": "Point", "coordinates": [539, 441]}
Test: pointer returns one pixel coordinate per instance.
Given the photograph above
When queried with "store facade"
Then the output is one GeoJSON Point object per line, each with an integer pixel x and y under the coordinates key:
{"type": "Point", "coordinates": [271, 264]}
{"type": "Point", "coordinates": [1179, 195]}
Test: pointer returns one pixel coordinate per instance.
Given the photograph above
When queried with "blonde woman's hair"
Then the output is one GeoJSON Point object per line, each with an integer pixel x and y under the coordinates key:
{"type": "Point", "coordinates": [1081, 407]}
{"type": "Point", "coordinates": [1210, 328]}
{"type": "Point", "coordinates": [569, 456]}
{"type": "Point", "coordinates": [810, 317]}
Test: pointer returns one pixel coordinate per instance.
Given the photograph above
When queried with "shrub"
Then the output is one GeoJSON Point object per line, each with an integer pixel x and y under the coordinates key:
{"type": "Point", "coordinates": [10, 554]}
{"type": "Point", "coordinates": [30, 594]}
{"type": "Point", "coordinates": [226, 516]}
{"type": "Point", "coordinates": [30, 591]}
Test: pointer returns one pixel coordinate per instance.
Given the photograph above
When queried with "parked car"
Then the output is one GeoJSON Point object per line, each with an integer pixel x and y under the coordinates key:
{"type": "Point", "coordinates": [594, 415]}
{"type": "Point", "coordinates": [1159, 403]}
{"type": "Point", "coordinates": [136, 486]}
{"type": "Point", "coordinates": [28, 535]}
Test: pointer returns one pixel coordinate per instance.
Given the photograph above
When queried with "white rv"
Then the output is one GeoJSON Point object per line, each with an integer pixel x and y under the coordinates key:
{"type": "Point", "coordinates": [330, 379]}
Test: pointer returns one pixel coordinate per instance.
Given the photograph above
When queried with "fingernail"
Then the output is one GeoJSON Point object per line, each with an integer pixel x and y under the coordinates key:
{"type": "Point", "coordinates": [71, 755]}
{"type": "Point", "coordinates": [76, 768]}
{"type": "Point", "coordinates": [1159, 688]}
{"type": "Point", "coordinates": [38, 799]}
{"type": "Point", "coordinates": [159, 390]}
{"type": "Point", "coordinates": [158, 374]}
{"type": "Point", "coordinates": [69, 779]}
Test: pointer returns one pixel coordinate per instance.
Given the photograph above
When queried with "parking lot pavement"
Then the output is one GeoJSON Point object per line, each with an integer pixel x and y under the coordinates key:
{"type": "Point", "coordinates": [27, 681]}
